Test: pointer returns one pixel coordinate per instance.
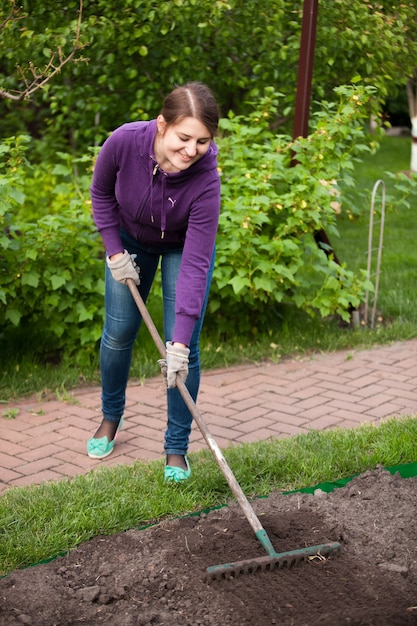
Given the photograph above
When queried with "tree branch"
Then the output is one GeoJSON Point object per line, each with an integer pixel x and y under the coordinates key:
{"type": "Point", "coordinates": [39, 78]}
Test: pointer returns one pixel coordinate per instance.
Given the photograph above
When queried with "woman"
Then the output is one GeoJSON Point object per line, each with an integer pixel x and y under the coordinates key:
{"type": "Point", "coordinates": [156, 196]}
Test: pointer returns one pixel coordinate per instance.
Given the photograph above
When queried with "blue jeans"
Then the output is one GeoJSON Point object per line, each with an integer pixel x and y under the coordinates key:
{"type": "Point", "coordinates": [122, 323]}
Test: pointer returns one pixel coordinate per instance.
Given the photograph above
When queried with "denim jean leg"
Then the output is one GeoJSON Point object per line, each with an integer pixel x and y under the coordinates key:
{"type": "Point", "coordinates": [179, 417]}
{"type": "Point", "coordinates": [121, 327]}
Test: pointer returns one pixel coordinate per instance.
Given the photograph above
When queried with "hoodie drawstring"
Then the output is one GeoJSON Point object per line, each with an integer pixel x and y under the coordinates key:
{"type": "Point", "coordinates": [163, 211]}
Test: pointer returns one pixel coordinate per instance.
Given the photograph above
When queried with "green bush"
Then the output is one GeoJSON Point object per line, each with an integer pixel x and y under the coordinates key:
{"type": "Point", "coordinates": [276, 193]}
{"type": "Point", "coordinates": [51, 276]}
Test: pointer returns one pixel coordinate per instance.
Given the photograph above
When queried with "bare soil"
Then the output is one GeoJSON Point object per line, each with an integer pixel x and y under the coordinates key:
{"type": "Point", "coordinates": [158, 576]}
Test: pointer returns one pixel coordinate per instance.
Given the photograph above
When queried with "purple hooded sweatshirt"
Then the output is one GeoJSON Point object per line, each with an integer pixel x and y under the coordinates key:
{"type": "Point", "coordinates": [131, 192]}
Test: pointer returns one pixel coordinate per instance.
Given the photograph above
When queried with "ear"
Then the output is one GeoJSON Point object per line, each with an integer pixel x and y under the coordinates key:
{"type": "Point", "coordinates": [161, 124]}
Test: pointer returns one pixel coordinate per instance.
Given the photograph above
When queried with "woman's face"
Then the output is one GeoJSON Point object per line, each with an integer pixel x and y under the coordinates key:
{"type": "Point", "coordinates": [177, 146]}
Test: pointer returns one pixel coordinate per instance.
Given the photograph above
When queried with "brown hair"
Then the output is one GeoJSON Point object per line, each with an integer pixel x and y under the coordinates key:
{"type": "Point", "coordinates": [193, 99]}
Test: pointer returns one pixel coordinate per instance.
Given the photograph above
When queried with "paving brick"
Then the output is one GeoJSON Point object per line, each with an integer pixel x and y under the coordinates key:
{"type": "Point", "coordinates": [12, 449]}
{"type": "Point", "coordinates": [138, 421]}
{"type": "Point", "coordinates": [38, 466]}
{"type": "Point", "coordinates": [310, 403]}
{"type": "Point", "coordinates": [327, 378]}
{"type": "Point", "coordinates": [78, 458]}
{"type": "Point", "coordinates": [336, 385]}
{"type": "Point", "coordinates": [408, 404]}
{"type": "Point", "coordinates": [9, 462]}
{"type": "Point", "coordinates": [78, 445]}
{"type": "Point", "coordinates": [91, 399]}
{"type": "Point", "coordinates": [214, 418]}
{"type": "Point", "coordinates": [36, 479]}
{"type": "Point", "coordinates": [46, 440]}
{"type": "Point", "coordinates": [398, 382]}
{"type": "Point", "coordinates": [145, 410]}
{"type": "Point", "coordinates": [8, 475]}
{"type": "Point", "coordinates": [295, 388]}
{"type": "Point", "coordinates": [348, 416]}
{"type": "Point", "coordinates": [225, 412]}
{"type": "Point", "coordinates": [288, 409]}
{"type": "Point", "coordinates": [247, 403]}
{"type": "Point", "coordinates": [45, 431]}
{"type": "Point", "coordinates": [148, 433]}
{"type": "Point", "coordinates": [372, 390]}
{"type": "Point", "coordinates": [242, 394]}
{"type": "Point", "coordinates": [223, 444]}
{"type": "Point", "coordinates": [261, 435]}
{"type": "Point", "coordinates": [342, 404]}
{"type": "Point", "coordinates": [277, 385]}
{"type": "Point", "coordinates": [40, 452]}
{"type": "Point", "coordinates": [81, 413]}
{"type": "Point", "coordinates": [69, 470]}
{"type": "Point", "coordinates": [356, 373]}
{"type": "Point", "coordinates": [365, 381]}
{"type": "Point", "coordinates": [377, 399]}
{"type": "Point", "coordinates": [389, 409]}
{"type": "Point", "coordinates": [333, 394]}
{"type": "Point", "coordinates": [279, 396]}
{"type": "Point", "coordinates": [251, 414]}
{"type": "Point", "coordinates": [288, 429]}
{"type": "Point", "coordinates": [149, 455]}
{"type": "Point", "coordinates": [205, 397]}
{"type": "Point", "coordinates": [316, 412]}
{"type": "Point", "coordinates": [325, 422]}
{"type": "Point", "coordinates": [147, 443]}
{"type": "Point", "coordinates": [253, 425]}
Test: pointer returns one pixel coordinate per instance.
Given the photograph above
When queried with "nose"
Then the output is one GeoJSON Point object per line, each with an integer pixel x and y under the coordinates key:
{"type": "Point", "coordinates": [191, 149]}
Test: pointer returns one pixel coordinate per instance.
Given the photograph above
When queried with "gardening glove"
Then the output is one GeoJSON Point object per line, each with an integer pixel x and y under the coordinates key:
{"type": "Point", "coordinates": [123, 268]}
{"type": "Point", "coordinates": [176, 362]}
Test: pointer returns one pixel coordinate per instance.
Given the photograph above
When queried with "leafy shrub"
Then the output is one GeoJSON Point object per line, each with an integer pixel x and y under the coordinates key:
{"type": "Point", "coordinates": [276, 194]}
{"type": "Point", "coordinates": [51, 276]}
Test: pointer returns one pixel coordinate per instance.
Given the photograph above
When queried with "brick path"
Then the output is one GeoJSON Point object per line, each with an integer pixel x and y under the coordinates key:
{"type": "Point", "coordinates": [46, 440]}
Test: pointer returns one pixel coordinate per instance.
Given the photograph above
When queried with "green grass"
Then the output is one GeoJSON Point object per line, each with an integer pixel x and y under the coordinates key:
{"type": "Point", "coordinates": [396, 299]}
{"type": "Point", "coordinates": [39, 522]}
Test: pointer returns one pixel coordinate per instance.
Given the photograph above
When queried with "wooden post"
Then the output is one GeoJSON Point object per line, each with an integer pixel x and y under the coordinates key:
{"type": "Point", "coordinates": [303, 95]}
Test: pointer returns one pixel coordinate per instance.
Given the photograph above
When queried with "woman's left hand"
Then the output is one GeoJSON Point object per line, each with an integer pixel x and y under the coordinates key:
{"type": "Point", "coordinates": [176, 362]}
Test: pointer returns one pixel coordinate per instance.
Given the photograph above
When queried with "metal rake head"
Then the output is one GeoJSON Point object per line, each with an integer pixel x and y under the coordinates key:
{"type": "Point", "coordinates": [270, 563]}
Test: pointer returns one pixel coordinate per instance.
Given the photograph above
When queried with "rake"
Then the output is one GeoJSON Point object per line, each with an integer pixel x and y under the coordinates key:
{"type": "Point", "coordinates": [273, 559]}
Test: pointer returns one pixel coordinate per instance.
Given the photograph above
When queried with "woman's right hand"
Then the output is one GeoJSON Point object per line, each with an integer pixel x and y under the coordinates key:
{"type": "Point", "coordinates": [122, 267]}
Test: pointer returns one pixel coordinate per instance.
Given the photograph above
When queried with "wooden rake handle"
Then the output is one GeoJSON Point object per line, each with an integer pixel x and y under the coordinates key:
{"type": "Point", "coordinates": [212, 444]}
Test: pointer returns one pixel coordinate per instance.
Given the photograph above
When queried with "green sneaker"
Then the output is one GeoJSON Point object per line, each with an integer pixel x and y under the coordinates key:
{"type": "Point", "coordinates": [174, 474]}
{"type": "Point", "coordinates": [102, 447]}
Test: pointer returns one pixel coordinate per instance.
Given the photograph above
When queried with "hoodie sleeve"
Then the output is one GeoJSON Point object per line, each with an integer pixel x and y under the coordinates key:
{"type": "Point", "coordinates": [196, 259]}
{"type": "Point", "coordinates": [103, 195]}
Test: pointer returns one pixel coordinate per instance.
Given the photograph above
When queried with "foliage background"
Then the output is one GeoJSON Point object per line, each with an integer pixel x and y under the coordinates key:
{"type": "Point", "coordinates": [137, 50]}
{"type": "Point", "coordinates": [51, 259]}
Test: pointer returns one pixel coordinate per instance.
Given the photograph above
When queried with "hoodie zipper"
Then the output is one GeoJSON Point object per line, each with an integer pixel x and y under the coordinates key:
{"type": "Point", "coordinates": [163, 185]}
{"type": "Point", "coordinates": [149, 198]}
